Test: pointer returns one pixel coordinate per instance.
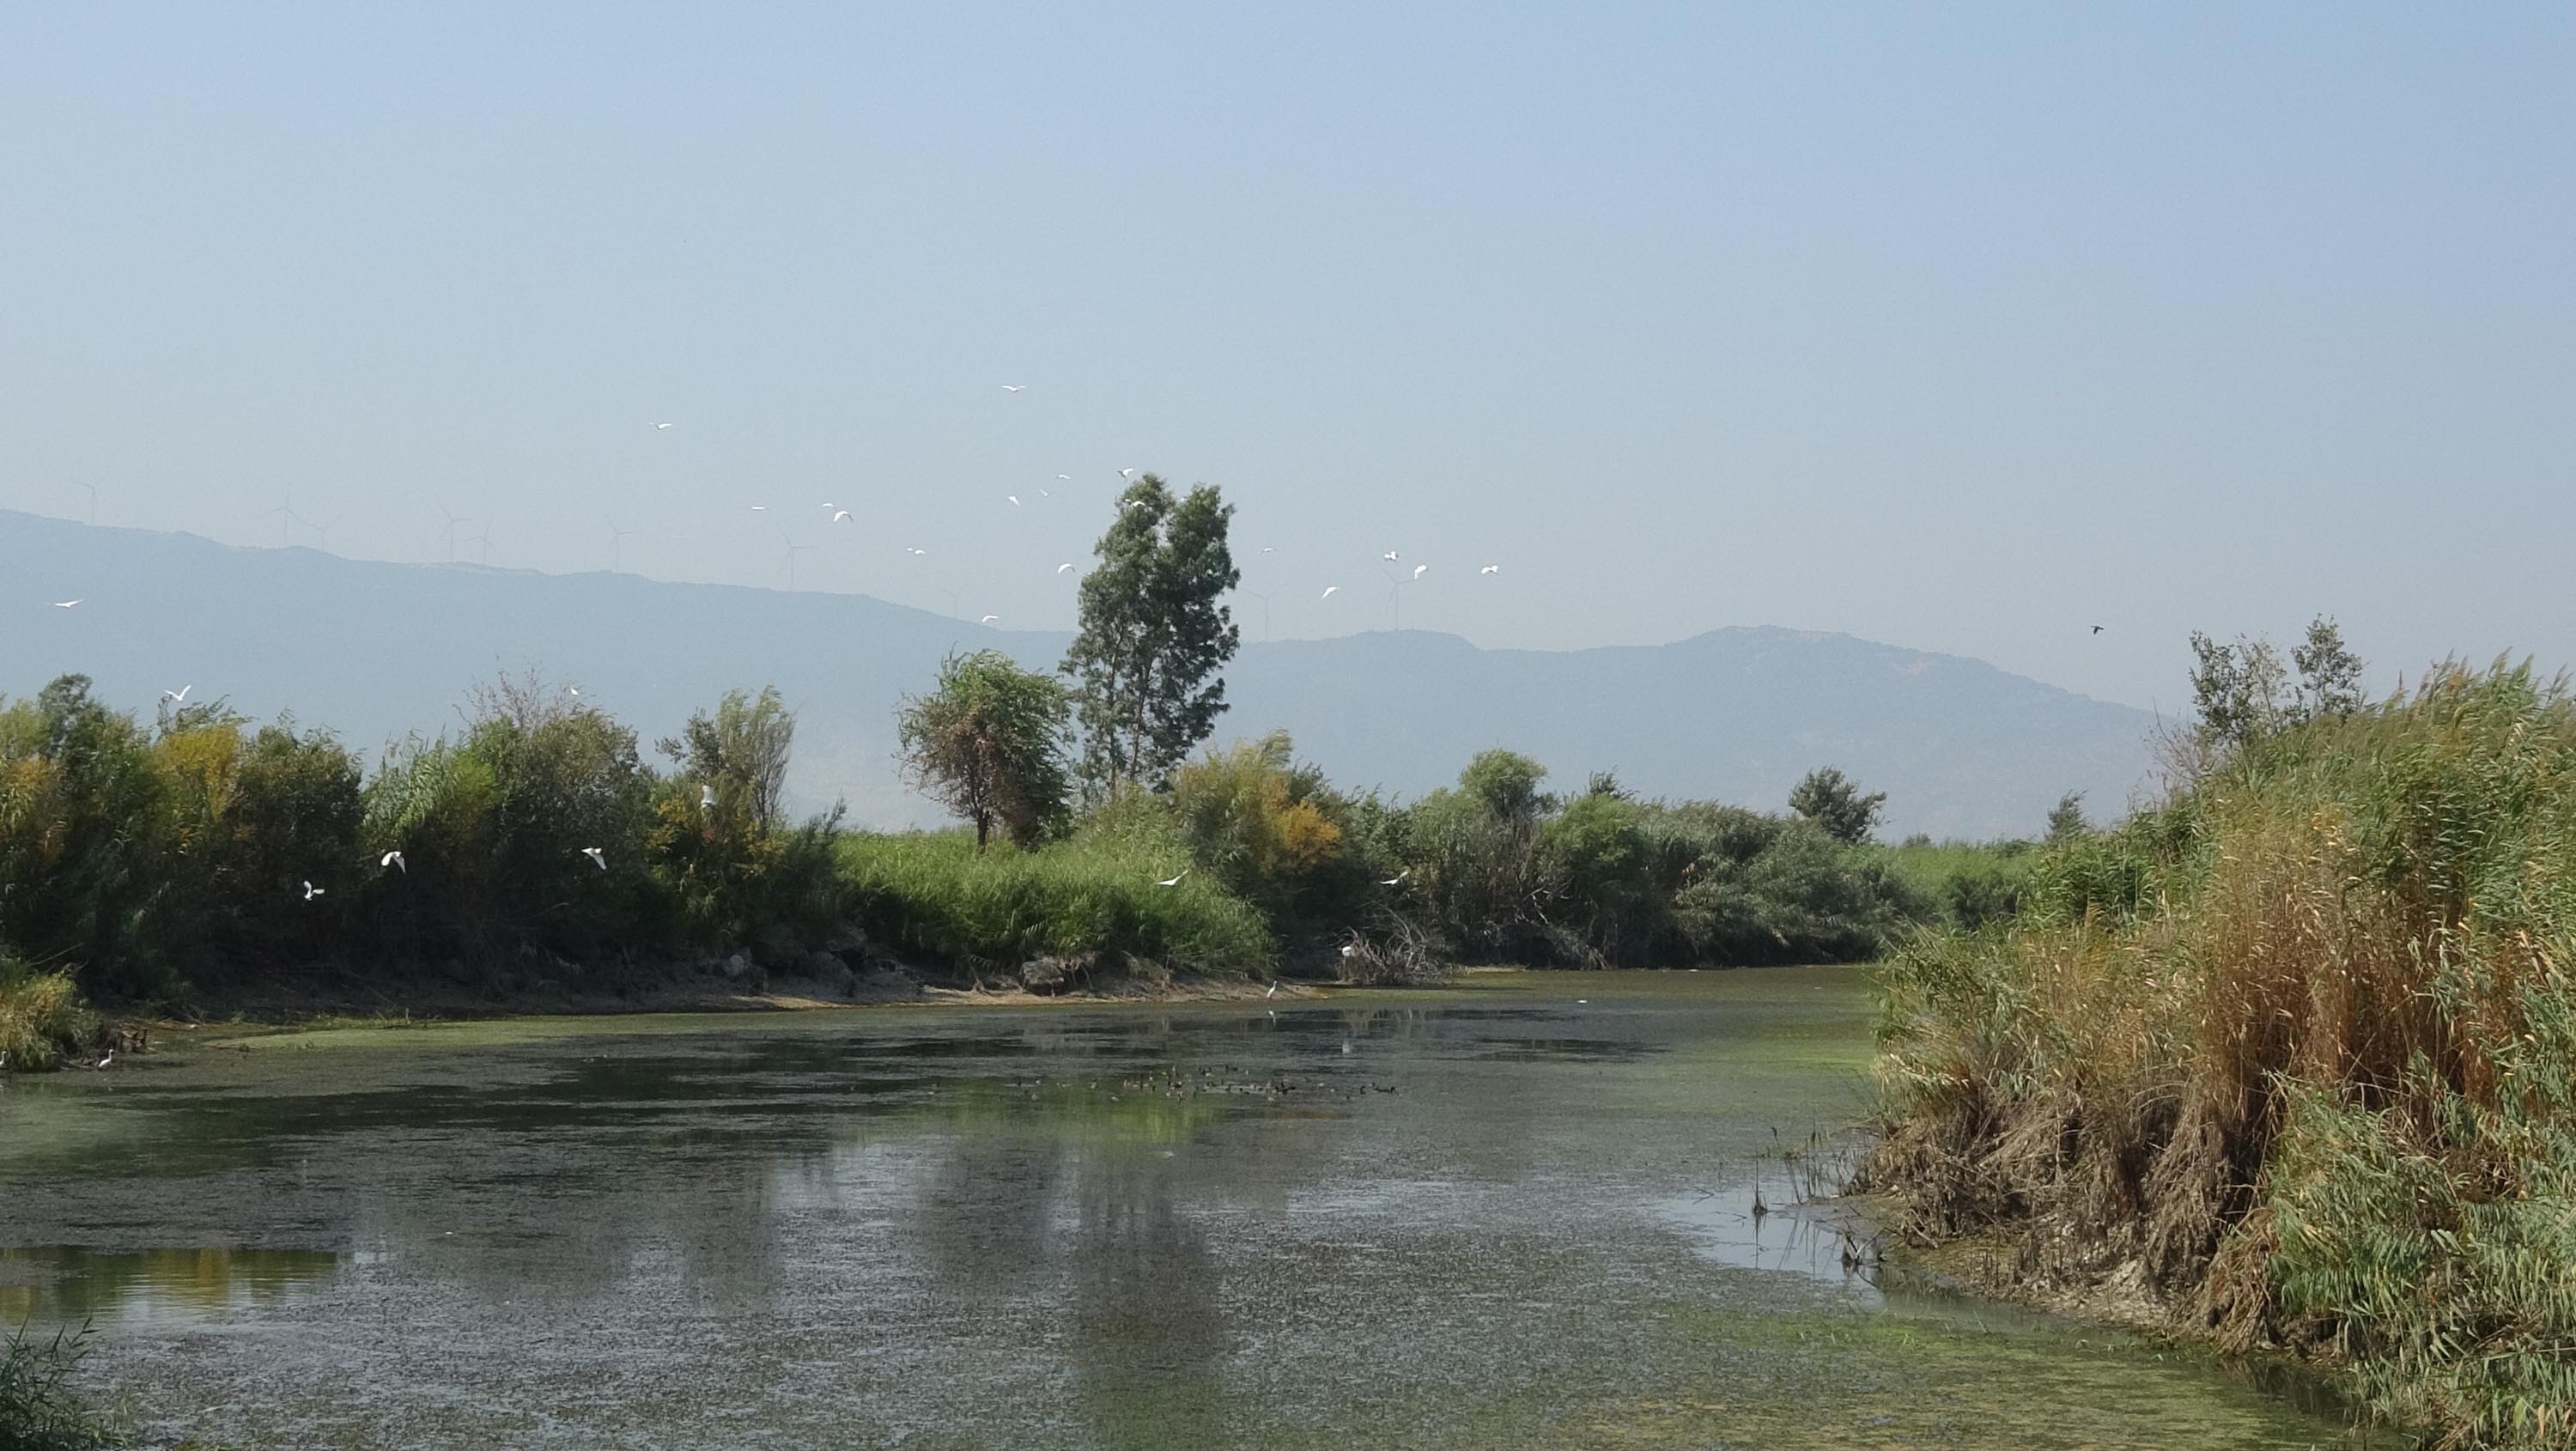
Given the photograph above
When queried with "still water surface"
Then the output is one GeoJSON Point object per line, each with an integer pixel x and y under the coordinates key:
{"type": "Point", "coordinates": [1512, 1213]}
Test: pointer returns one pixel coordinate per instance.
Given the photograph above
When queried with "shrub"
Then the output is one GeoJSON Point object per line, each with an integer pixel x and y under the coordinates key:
{"type": "Point", "coordinates": [42, 1019]}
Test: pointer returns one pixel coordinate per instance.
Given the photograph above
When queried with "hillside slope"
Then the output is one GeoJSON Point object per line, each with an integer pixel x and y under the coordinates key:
{"type": "Point", "coordinates": [373, 650]}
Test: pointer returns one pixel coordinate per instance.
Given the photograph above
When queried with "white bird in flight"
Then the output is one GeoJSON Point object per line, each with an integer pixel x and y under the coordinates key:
{"type": "Point", "coordinates": [1389, 556]}
{"type": "Point", "coordinates": [394, 859]}
{"type": "Point", "coordinates": [178, 696]}
{"type": "Point", "coordinates": [1014, 387]}
{"type": "Point", "coordinates": [840, 516]}
{"type": "Point", "coordinates": [1068, 478]}
{"type": "Point", "coordinates": [908, 549]}
{"type": "Point", "coordinates": [311, 891]}
{"type": "Point", "coordinates": [1126, 473]}
{"type": "Point", "coordinates": [597, 857]}
{"type": "Point", "coordinates": [1329, 591]}
{"type": "Point", "coordinates": [1420, 570]}
{"type": "Point", "coordinates": [988, 619]}
{"type": "Point", "coordinates": [1491, 569]}
{"type": "Point", "coordinates": [660, 426]}
{"type": "Point", "coordinates": [760, 508]}
{"type": "Point", "coordinates": [1173, 881]}
{"type": "Point", "coordinates": [1014, 498]}
{"type": "Point", "coordinates": [1061, 568]}
{"type": "Point", "coordinates": [1398, 877]}
{"type": "Point", "coordinates": [65, 604]}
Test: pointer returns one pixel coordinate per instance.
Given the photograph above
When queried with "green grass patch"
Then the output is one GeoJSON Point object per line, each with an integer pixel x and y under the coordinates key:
{"type": "Point", "coordinates": [1091, 901]}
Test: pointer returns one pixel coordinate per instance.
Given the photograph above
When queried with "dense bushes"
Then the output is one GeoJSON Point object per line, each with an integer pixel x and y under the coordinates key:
{"type": "Point", "coordinates": [202, 854]}
{"type": "Point", "coordinates": [201, 851]}
{"type": "Point", "coordinates": [2297, 1050]}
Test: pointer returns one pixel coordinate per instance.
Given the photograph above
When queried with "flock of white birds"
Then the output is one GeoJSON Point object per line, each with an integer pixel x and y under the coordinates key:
{"type": "Point", "coordinates": [835, 514]}
{"type": "Point", "coordinates": [392, 861]}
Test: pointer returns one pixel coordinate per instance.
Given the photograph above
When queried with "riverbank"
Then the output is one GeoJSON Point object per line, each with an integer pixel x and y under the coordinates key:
{"type": "Point", "coordinates": [2289, 1063]}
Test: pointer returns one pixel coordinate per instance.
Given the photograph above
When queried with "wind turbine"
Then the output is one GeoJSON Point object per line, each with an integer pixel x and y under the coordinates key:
{"type": "Point", "coordinates": [286, 517]}
{"type": "Point", "coordinates": [793, 549]}
{"type": "Point", "coordinates": [616, 546]}
{"type": "Point", "coordinates": [483, 545]}
{"type": "Point", "coordinates": [453, 519]}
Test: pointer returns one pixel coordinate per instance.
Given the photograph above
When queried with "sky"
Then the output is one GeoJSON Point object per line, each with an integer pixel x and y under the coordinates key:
{"type": "Point", "coordinates": [1962, 328]}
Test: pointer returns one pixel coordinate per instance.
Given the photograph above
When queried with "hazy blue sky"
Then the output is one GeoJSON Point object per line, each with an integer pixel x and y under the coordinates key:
{"type": "Point", "coordinates": [1960, 327]}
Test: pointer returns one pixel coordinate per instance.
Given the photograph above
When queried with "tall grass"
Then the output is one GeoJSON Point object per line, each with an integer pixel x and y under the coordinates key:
{"type": "Point", "coordinates": [42, 1018]}
{"type": "Point", "coordinates": [1090, 903]}
{"type": "Point", "coordinates": [38, 1410]}
{"type": "Point", "coordinates": [2297, 1051]}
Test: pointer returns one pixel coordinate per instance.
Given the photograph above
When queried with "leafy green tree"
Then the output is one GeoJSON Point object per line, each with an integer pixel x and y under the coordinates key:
{"type": "Point", "coordinates": [1154, 634]}
{"type": "Point", "coordinates": [2329, 673]}
{"type": "Point", "coordinates": [739, 752]}
{"type": "Point", "coordinates": [1829, 799]}
{"type": "Point", "coordinates": [988, 744]}
{"type": "Point", "coordinates": [2237, 690]}
{"type": "Point", "coordinates": [1507, 783]}
{"type": "Point", "coordinates": [2066, 818]}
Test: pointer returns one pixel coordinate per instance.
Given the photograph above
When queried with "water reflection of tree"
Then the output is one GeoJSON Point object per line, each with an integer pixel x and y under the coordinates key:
{"type": "Point", "coordinates": [1149, 1340]}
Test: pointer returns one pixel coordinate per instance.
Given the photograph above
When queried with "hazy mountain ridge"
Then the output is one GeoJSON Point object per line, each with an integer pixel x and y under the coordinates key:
{"type": "Point", "coordinates": [374, 650]}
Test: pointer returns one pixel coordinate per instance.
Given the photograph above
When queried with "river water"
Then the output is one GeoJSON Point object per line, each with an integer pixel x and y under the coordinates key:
{"type": "Point", "coordinates": [1518, 1212]}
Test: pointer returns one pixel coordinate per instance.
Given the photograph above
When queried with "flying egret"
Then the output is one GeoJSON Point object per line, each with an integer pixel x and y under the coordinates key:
{"type": "Point", "coordinates": [65, 604]}
{"type": "Point", "coordinates": [1126, 473]}
{"type": "Point", "coordinates": [311, 891]}
{"type": "Point", "coordinates": [394, 859]}
{"type": "Point", "coordinates": [178, 696]}
{"type": "Point", "coordinates": [1491, 569]}
{"type": "Point", "coordinates": [597, 857]}
{"type": "Point", "coordinates": [1014, 498]}
{"type": "Point", "coordinates": [908, 549]}
{"type": "Point", "coordinates": [658, 427]}
{"type": "Point", "coordinates": [840, 516]}
{"type": "Point", "coordinates": [1068, 478]}
{"type": "Point", "coordinates": [1389, 556]}
{"type": "Point", "coordinates": [1061, 568]}
{"type": "Point", "coordinates": [1266, 549]}
{"type": "Point", "coordinates": [1330, 590]}
{"type": "Point", "coordinates": [1398, 877]}
{"type": "Point", "coordinates": [1173, 881]}
{"type": "Point", "coordinates": [988, 619]}
{"type": "Point", "coordinates": [1420, 570]}
{"type": "Point", "coordinates": [1015, 387]}
{"type": "Point", "coordinates": [760, 508]}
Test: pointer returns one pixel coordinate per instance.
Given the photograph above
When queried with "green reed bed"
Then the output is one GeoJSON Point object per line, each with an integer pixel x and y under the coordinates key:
{"type": "Point", "coordinates": [1089, 904]}
{"type": "Point", "coordinates": [2295, 1056]}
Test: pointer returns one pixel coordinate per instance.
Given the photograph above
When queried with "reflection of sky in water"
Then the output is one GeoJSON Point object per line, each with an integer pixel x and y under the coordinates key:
{"type": "Point", "coordinates": [1493, 1218]}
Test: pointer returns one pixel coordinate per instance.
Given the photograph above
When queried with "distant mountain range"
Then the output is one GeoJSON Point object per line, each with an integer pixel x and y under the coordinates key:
{"type": "Point", "coordinates": [374, 650]}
